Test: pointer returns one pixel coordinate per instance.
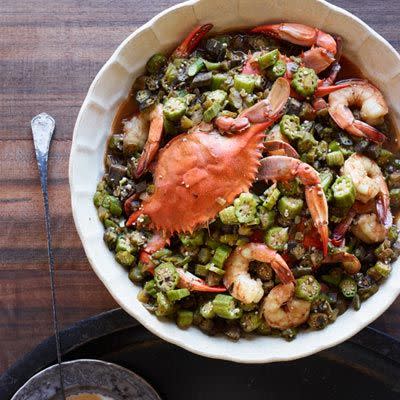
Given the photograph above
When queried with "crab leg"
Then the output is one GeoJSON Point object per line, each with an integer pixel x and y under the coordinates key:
{"type": "Point", "coordinates": [280, 148]}
{"type": "Point", "coordinates": [282, 168]}
{"type": "Point", "coordinates": [194, 284]}
{"type": "Point", "coordinates": [191, 41]}
{"type": "Point", "coordinates": [265, 111]}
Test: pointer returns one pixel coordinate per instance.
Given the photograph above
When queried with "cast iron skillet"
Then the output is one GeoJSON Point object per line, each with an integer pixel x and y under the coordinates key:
{"type": "Point", "coordinates": [365, 367]}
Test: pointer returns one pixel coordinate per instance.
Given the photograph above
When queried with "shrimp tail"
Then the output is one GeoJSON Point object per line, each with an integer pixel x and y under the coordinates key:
{"type": "Point", "coordinates": [281, 269]}
{"type": "Point", "coordinates": [383, 211]}
{"type": "Point", "coordinates": [368, 131]}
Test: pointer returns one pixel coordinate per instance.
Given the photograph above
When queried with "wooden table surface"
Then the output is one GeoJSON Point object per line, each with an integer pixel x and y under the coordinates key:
{"type": "Point", "coordinates": [50, 51]}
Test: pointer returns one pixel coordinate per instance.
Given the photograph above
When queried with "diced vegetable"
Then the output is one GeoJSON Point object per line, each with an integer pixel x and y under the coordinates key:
{"type": "Point", "coordinates": [228, 216]}
{"type": "Point", "coordinates": [335, 159]}
{"type": "Point", "coordinates": [195, 67]}
{"type": "Point", "coordinates": [171, 73]}
{"type": "Point", "coordinates": [268, 59]}
{"type": "Point", "coordinates": [211, 112]}
{"type": "Point", "coordinates": [177, 294]}
{"type": "Point", "coordinates": [216, 96]}
{"type": "Point", "coordinates": [344, 192]}
{"type": "Point", "coordinates": [267, 217]}
{"type": "Point", "coordinates": [156, 63]}
{"type": "Point", "coordinates": [379, 270]}
{"type": "Point", "coordinates": [184, 318]}
{"type": "Point", "coordinates": [174, 108]}
{"type": "Point", "coordinates": [290, 126]}
{"type": "Point", "coordinates": [216, 49]}
{"type": "Point", "coordinates": [166, 276]}
{"type": "Point", "coordinates": [250, 321]}
{"type": "Point", "coordinates": [150, 288]}
{"type": "Point", "coordinates": [305, 81]}
{"type": "Point", "coordinates": [246, 208]}
{"type": "Point", "coordinates": [164, 306]}
{"type": "Point", "coordinates": [326, 178]}
{"type": "Point", "coordinates": [318, 321]}
{"type": "Point", "coordinates": [217, 81]}
{"type": "Point", "coordinates": [348, 287]}
{"type": "Point", "coordinates": [195, 239]}
{"type": "Point", "coordinates": [244, 82]}
{"type": "Point", "coordinates": [272, 195]}
{"type": "Point", "coordinates": [276, 238]}
{"type": "Point", "coordinates": [125, 258]}
{"type": "Point", "coordinates": [212, 66]}
{"type": "Point", "coordinates": [202, 79]}
{"type": "Point", "coordinates": [290, 207]}
{"type": "Point", "coordinates": [220, 256]}
{"type": "Point", "coordinates": [307, 288]}
{"type": "Point", "coordinates": [395, 197]}
{"type": "Point", "coordinates": [144, 98]}
{"type": "Point", "coordinates": [277, 70]}
{"type": "Point", "coordinates": [207, 310]}
{"type": "Point", "coordinates": [225, 307]}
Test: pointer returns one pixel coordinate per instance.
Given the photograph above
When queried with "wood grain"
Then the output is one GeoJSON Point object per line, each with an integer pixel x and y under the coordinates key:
{"type": "Point", "coordinates": [49, 53]}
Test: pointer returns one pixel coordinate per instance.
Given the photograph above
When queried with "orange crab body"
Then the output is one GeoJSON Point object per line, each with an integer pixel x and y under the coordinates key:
{"type": "Point", "coordinates": [198, 174]}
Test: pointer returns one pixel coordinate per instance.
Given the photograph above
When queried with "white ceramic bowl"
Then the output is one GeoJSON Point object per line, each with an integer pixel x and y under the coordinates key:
{"type": "Point", "coordinates": [379, 62]}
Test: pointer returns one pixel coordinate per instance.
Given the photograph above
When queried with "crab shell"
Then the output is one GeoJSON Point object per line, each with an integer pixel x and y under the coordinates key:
{"type": "Point", "coordinates": [199, 174]}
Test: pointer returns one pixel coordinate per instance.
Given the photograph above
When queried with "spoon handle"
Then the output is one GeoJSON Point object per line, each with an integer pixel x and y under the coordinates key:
{"type": "Point", "coordinates": [43, 126]}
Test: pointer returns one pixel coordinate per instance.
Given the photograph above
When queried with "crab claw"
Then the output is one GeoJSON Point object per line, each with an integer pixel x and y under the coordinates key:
{"type": "Point", "coordinates": [323, 45]}
{"type": "Point", "coordinates": [195, 284]}
{"type": "Point", "coordinates": [280, 148]}
{"type": "Point", "coordinates": [191, 41]}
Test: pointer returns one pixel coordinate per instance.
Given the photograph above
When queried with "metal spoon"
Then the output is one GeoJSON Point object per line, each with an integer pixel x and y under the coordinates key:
{"type": "Point", "coordinates": [43, 126]}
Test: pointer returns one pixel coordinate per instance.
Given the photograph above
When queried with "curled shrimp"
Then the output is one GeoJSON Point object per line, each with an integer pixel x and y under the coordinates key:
{"type": "Point", "coordinates": [237, 278]}
{"type": "Point", "coordinates": [368, 229]}
{"type": "Point", "coordinates": [282, 310]}
{"type": "Point", "coordinates": [369, 184]}
{"type": "Point", "coordinates": [350, 263]}
{"type": "Point", "coordinates": [281, 168]}
{"type": "Point", "coordinates": [153, 140]}
{"type": "Point", "coordinates": [373, 109]}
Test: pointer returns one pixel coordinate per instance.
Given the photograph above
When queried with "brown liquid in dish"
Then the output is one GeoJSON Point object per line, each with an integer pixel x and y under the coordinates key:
{"type": "Point", "coordinates": [87, 396]}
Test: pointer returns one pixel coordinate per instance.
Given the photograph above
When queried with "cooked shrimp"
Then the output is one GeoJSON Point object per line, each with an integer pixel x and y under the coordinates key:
{"type": "Point", "coordinates": [153, 140]}
{"type": "Point", "coordinates": [368, 229]}
{"type": "Point", "coordinates": [369, 184]}
{"type": "Point", "coordinates": [350, 263]}
{"type": "Point", "coordinates": [237, 278]}
{"type": "Point", "coordinates": [282, 310]}
{"type": "Point", "coordinates": [372, 106]}
{"type": "Point", "coordinates": [281, 168]}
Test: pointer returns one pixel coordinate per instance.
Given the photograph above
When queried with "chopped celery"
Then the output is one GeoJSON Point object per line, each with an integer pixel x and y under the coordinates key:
{"type": "Point", "coordinates": [244, 82]}
{"type": "Point", "coordinates": [184, 318]}
{"type": "Point", "coordinates": [177, 294]}
{"type": "Point", "coordinates": [220, 256]}
{"type": "Point", "coordinates": [290, 207]}
{"type": "Point", "coordinates": [225, 307]}
{"type": "Point", "coordinates": [268, 59]}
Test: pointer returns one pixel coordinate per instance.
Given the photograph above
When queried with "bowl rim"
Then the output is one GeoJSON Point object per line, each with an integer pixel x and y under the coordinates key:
{"type": "Point", "coordinates": [147, 321]}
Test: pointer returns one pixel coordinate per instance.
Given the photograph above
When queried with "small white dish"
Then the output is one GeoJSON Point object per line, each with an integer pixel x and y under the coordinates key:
{"type": "Point", "coordinates": [378, 61]}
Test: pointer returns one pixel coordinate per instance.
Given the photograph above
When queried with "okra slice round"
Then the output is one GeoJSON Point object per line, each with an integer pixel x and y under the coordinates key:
{"type": "Point", "coordinates": [290, 126]}
{"type": "Point", "coordinates": [307, 288]}
{"type": "Point", "coordinates": [276, 238]}
{"type": "Point", "coordinates": [348, 287]}
{"type": "Point", "coordinates": [166, 277]}
{"type": "Point", "coordinates": [344, 192]}
{"type": "Point", "coordinates": [156, 63]}
{"type": "Point", "coordinates": [277, 70]}
{"type": "Point", "coordinates": [305, 81]}
{"type": "Point", "coordinates": [246, 208]}
{"type": "Point", "coordinates": [174, 108]}
{"type": "Point", "coordinates": [290, 207]}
